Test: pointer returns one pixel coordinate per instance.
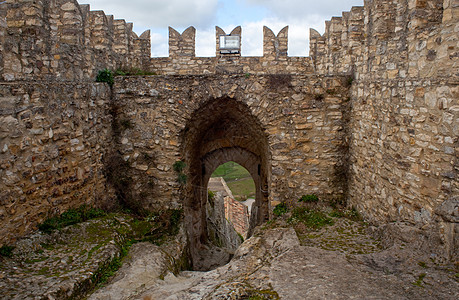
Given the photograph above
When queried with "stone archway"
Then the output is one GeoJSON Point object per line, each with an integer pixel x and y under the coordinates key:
{"type": "Point", "coordinates": [222, 130]}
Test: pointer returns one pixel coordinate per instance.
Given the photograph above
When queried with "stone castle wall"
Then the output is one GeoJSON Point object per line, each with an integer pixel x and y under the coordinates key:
{"type": "Point", "coordinates": [372, 114]}
{"type": "Point", "coordinates": [62, 40]}
{"type": "Point", "coordinates": [53, 139]}
{"type": "Point", "coordinates": [403, 59]}
{"type": "Point", "coordinates": [238, 214]}
{"type": "Point", "coordinates": [183, 61]}
{"type": "Point", "coordinates": [304, 129]}
{"type": "Point", "coordinates": [55, 122]}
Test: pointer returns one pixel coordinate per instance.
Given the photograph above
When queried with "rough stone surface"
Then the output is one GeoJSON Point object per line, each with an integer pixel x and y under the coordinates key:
{"type": "Point", "coordinates": [370, 116]}
{"type": "Point", "coordinates": [52, 143]}
{"type": "Point", "coordinates": [273, 263]}
{"type": "Point", "coordinates": [145, 265]}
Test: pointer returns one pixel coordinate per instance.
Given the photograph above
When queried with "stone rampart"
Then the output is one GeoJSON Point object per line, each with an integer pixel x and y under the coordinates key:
{"type": "Point", "coordinates": [53, 139]}
{"type": "Point", "coordinates": [65, 41]}
{"type": "Point", "coordinates": [238, 214]}
{"type": "Point", "coordinates": [182, 59]}
{"type": "Point", "coordinates": [302, 118]}
{"type": "Point", "coordinates": [402, 60]}
{"type": "Point", "coordinates": [372, 115]}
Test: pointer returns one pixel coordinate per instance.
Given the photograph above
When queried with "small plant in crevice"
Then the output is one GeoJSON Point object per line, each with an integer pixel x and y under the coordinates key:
{"type": "Point", "coordinates": [310, 198]}
{"type": "Point", "coordinates": [420, 280]}
{"type": "Point", "coordinates": [280, 209]}
{"type": "Point", "coordinates": [6, 251]}
{"type": "Point", "coordinates": [349, 80]}
{"type": "Point", "coordinates": [331, 91]}
{"type": "Point", "coordinates": [312, 218]}
{"type": "Point", "coordinates": [126, 124]}
{"type": "Point", "coordinates": [353, 214]}
{"type": "Point", "coordinates": [319, 97]}
{"type": "Point", "coordinates": [179, 166]}
{"type": "Point", "coordinates": [105, 75]}
{"type": "Point", "coordinates": [70, 217]}
{"type": "Point", "coordinates": [211, 198]}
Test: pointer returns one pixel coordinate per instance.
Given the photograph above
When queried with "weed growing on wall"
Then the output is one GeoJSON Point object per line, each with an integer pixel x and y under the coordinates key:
{"type": "Point", "coordinates": [6, 251]}
{"type": "Point", "coordinates": [105, 75]}
{"type": "Point", "coordinates": [179, 166]}
{"type": "Point", "coordinates": [309, 198]}
{"type": "Point", "coordinates": [280, 209]}
{"type": "Point", "coordinates": [70, 217]}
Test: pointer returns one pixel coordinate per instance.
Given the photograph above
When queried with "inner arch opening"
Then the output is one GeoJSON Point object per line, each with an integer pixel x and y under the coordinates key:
{"type": "Point", "coordinates": [219, 131]}
{"type": "Point", "coordinates": [231, 193]}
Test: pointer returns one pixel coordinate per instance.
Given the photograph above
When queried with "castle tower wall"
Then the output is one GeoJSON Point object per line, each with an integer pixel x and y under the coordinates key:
{"type": "Point", "coordinates": [404, 114]}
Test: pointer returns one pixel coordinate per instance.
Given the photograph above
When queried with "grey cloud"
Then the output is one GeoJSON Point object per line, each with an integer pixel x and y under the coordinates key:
{"type": "Point", "coordinates": [300, 9]}
{"type": "Point", "coordinates": [160, 13]}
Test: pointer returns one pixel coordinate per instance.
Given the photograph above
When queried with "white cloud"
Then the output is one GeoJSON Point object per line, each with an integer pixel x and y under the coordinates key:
{"type": "Point", "coordinates": [301, 9]}
{"type": "Point", "coordinates": [160, 13]}
{"type": "Point", "coordinates": [157, 15]}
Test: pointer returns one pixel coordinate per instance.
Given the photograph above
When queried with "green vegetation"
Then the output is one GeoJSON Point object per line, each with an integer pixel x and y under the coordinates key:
{"type": "Point", "coordinates": [70, 217]}
{"type": "Point", "coordinates": [238, 180]}
{"type": "Point", "coordinates": [6, 251]}
{"type": "Point", "coordinates": [261, 294]}
{"type": "Point", "coordinates": [242, 189]}
{"type": "Point", "coordinates": [310, 217]}
{"type": "Point", "coordinates": [210, 195]}
{"type": "Point", "coordinates": [231, 171]}
{"type": "Point", "coordinates": [179, 166]}
{"type": "Point", "coordinates": [126, 124]}
{"type": "Point", "coordinates": [105, 75]}
{"type": "Point", "coordinates": [280, 209]}
{"type": "Point", "coordinates": [420, 280]}
{"type": "Point", "coordinates": [309, 198]}
{"type": "Point", "coordinates": [422, 264]}
{"type": "Point", "coordinates": [353, 214]}
{"type": "Point", "coordinates": [133, 72]}
{"type": "Point", "coordinates": [240, 236]}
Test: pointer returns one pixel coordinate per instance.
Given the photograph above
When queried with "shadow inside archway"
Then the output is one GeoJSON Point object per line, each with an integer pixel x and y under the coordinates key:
{"type": "Point", "coordinates": [221, 130]}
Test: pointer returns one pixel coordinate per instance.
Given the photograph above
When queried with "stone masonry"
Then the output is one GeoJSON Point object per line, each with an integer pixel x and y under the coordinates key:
{"type": "Point", "coordinates": [371, 117]}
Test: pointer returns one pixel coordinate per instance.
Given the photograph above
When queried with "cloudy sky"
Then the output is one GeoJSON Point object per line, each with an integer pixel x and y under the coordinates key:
{"type": "Point", "coordinates": [204, 15]}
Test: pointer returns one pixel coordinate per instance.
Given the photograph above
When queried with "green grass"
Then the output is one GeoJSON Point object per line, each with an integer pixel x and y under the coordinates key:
{"type": "Point", "coordinates": [231, 171]}
{"type": "Point", "coordinates": [280, 209]}
{"type": "Point", "coordinates": [6, 251]}
{"type": "Point", "coordinates": [238, 179]}
{"type": "Point", "coordinates": [242, 189]}
{"type": "Point", "coordinates": [70, 217]}
{"type": "Point", "coordinates": [311, 218]}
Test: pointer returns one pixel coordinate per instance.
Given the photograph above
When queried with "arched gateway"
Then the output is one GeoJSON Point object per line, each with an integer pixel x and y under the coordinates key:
{"type": "Point", "coordinates": [222, 130]}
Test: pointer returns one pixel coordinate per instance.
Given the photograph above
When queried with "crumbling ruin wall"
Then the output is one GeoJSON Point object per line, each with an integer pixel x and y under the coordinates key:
{"type": "Point", "coordinates": [402, 60]}
{"type": "Point", "coordinates": [62, 40]}
{"type": "Point", "coordinates": [53, 140]}
{"type": "Point", "coordinates": [55, 121]}
{"type": "Point", "coordinates": [302, 118]}
{"type": "Point", "coordinates": [182, 59]}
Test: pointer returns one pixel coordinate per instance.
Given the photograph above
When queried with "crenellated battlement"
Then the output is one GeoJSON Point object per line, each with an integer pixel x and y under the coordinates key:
{"type": "Point", "coordinates": [382, 38]}
{"type": "Point", "coordinates": [182, 59]}
{"type": "Point", "coordinates": [64, 40]}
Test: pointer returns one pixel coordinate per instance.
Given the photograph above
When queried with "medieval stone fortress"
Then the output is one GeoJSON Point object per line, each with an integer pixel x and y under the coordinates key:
{"type": "Point", "coordinates": [370, 118]}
